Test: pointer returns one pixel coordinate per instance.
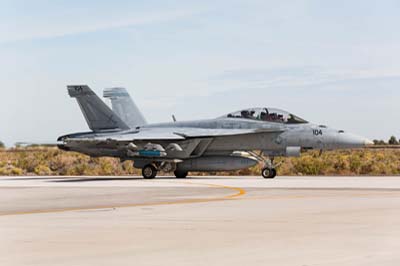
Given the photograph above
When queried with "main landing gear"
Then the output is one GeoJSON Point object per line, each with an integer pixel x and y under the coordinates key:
{"type": "Point", "coordinates": [180, 174]}
{"type": "Point", "coordinates": [150, 171]}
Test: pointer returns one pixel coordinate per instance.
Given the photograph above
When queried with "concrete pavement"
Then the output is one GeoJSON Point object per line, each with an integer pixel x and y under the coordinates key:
{"type": "Point", "coordinates": [199, 221]}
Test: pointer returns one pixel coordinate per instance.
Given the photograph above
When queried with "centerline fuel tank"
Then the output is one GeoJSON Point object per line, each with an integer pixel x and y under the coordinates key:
{"type": "Point", "coordinates": [216, 163]}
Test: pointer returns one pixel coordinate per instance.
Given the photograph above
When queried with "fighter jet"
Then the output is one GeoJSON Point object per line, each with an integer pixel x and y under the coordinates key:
{"type": "Point", "coordinates": [233, 141]}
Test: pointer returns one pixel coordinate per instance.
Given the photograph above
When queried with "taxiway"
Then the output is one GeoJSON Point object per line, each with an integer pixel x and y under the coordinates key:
{"type": "Point", "coordinates": [199, 221]}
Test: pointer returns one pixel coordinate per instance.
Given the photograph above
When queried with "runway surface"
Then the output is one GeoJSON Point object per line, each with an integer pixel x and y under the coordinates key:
{"type": "Point", "coordinates": [200, 221]}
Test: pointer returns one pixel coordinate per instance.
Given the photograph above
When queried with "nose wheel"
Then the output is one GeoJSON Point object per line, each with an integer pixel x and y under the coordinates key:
{"type": "Point", "coordinates": [268, 173]}
{"type": "Point", "coordinates": [269, 168]}
{"type": "Point", "coordinates": [149, 171]}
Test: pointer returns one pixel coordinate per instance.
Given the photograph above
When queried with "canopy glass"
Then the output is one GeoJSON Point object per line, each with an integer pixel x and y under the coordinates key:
{"type": "Point", "coordinates": [268, 115]}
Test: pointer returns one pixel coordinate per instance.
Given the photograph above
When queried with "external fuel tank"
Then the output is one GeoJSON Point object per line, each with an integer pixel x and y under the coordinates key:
{"type": "Point", "coordinates": [216, 163]}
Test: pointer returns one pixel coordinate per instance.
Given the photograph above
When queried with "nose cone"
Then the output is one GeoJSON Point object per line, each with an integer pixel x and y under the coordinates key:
{"type": "Point", "coordinates": [346, 140]}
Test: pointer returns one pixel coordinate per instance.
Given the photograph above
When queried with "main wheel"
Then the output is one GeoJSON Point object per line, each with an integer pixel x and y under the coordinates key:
{"type": "Point", "coordinates": [149, 171]}
{"type": "Point", "coordinates": [181, 174]}
{"type": "Point", "coordinates": [268, 173]}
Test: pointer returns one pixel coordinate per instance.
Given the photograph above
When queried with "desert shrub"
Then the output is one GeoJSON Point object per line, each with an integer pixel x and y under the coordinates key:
{"type": "Point", "coordinates": [309, 165]}
{"type": "Point", "coordinates": [28, 161]}
{"type": "Point", "coordinates": [42, 170]}
{"type": "Point", "coordinates": [50, 161]}
{"type": "Point", "coordinates": [17, 171]}
{"type": "Point", "coordinates": [342, 163]}
{"type": "Point", "coordinates": [107, 168]}
{"type": "Point", "coordinates": [355, 164]}
{"type": "Point", "coordinates": [11, 170]}
{"type": "Point", "coordinates": [78, 169]}
{"type": "Point", "coordinates": [4, 171]}
{"type": "Point", "coordinates": [128, 169]}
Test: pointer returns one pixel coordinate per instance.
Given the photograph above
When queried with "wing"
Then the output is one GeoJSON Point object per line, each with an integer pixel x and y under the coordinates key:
{"type": "Point", "coordinates": [206, 133]}
{"type": "Point", "coordinates": [160, 144]}
{"type": "Point", "coordinates": [172, 134]}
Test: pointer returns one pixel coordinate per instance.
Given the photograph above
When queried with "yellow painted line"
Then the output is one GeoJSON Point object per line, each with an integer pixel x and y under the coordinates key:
{"type": "Point", "coordinates": [238, 193]}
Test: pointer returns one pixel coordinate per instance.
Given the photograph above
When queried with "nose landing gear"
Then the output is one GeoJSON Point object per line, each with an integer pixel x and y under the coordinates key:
{"type": "Point", "coordinates": [268, 172]}
{"type": "Point", "coordinates": [269, 169]}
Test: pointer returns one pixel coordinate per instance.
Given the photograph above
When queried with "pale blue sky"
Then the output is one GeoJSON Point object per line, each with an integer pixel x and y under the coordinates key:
{"type": "Point", "coordinates": [331, 62]}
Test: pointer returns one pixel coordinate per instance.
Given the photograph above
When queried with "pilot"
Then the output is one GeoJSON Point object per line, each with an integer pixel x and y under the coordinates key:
{"type": "Point", "coordinates": [272, 117]}
{"type": "Point", "coordinates": [266, 117]}
{"type": "Point", "coordinates": [263, 116]}
{"type": "Point", "coordinates": [245, 114]}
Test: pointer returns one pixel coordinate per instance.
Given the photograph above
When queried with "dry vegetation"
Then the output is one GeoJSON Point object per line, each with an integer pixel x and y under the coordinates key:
{"type": "Point", "coordinates": [51, 161]}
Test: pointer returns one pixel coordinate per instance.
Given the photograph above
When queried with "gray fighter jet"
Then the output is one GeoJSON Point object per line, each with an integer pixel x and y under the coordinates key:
{"type": "Point", "coordinates": [233, 141]}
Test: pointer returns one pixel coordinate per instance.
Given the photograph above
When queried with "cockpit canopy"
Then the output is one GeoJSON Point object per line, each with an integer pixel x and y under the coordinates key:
{"type": "Point", "coordinates": [267, 114]}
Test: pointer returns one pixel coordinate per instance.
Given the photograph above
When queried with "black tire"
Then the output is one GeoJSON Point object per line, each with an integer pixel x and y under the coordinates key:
{"type": "Point", "coordinates": [149, 171]}
{"type": "Point", "coordinates": [180, 174]}
{"type": "Point", "coordinates": [268, 173]}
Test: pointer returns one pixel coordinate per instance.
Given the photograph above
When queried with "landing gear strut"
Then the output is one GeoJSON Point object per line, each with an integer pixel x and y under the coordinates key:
{"type": "Point", "coordinates": [149, 171]}
{"type": "Point", "coordinates": [269, 168]}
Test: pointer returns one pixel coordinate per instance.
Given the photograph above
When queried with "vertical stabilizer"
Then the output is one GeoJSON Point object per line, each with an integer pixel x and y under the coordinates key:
{"type": "Point", "coordinates": [97, 114]}
{"type": "Point", "coordinates": [124, 107]}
